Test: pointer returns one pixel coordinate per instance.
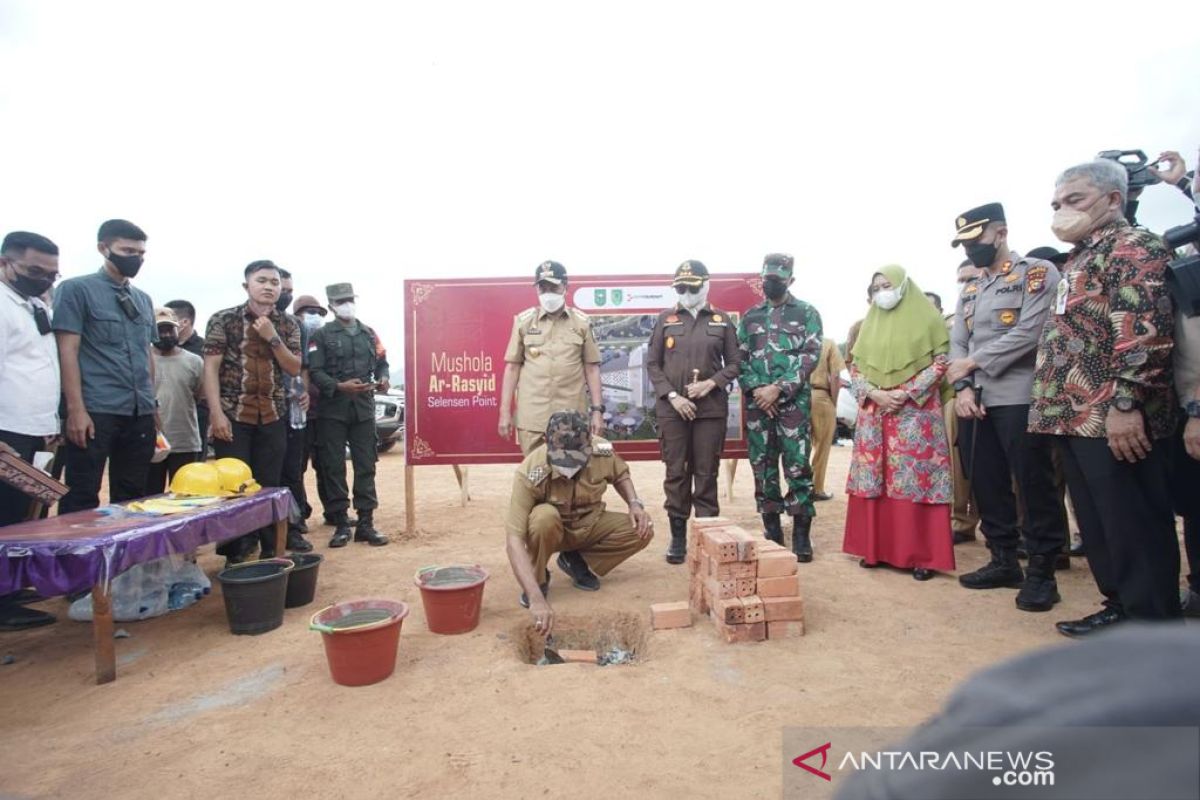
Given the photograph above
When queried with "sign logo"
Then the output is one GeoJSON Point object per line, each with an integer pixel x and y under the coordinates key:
{"type": "Point", "coordinates": [820, 773]}
{"type": "Point", "coordinates": [618, 296]}
{"type": "Point", "coordinates": [600, 296]}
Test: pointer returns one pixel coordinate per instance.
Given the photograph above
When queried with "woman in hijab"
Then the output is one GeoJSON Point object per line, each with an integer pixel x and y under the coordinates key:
{"type": "Point", "coordinates": [900, 486]}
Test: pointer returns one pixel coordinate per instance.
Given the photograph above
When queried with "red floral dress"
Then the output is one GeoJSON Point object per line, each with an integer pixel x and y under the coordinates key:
{"type": "Point", "coordinates": [900, 483]}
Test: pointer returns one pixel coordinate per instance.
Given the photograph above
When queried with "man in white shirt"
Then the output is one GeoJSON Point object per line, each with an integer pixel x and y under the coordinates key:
{"type": "Point", "coordinates": [29, 378]}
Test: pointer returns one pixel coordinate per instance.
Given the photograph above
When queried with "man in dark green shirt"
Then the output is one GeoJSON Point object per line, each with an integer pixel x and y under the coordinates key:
{"type": "Point", "coordinates": [348, 366]}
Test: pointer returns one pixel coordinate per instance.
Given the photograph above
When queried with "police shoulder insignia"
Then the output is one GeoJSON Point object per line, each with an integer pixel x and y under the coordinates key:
{"type": "Point", "coordinates": [526, 314]}
{"type": "Point", "coordinates": [1007, 268]}
{"type": "Point", "coordinates": [971, 289]}
{"type": "Point", "coordinates": [537, 474]}
{"type": "Point", "coordinates": [717, 318]}
{"type": "Point", "coordinates": [1037, 271]}
{"type": "Point", "coordinates": [601, 447]}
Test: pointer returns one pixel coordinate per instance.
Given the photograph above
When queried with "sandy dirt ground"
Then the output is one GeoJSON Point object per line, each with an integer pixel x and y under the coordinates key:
{"type": "Point", "coordinates": [197, 712]}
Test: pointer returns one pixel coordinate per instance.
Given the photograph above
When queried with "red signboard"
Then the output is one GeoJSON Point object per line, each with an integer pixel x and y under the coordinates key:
{"type": "Point", "coordinates": [456, 332]}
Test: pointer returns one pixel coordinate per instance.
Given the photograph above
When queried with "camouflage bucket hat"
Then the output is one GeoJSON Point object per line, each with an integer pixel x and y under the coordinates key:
{"type": "Point", "coordinates": [568, 440]}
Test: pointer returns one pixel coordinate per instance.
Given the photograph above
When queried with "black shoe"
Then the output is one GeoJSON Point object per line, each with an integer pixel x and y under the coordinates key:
{"type": "Point", "coordinates": [1002, 572]}
{"type": "Point", "coordinates": [819, 497]}
{"type": "Point", "coordinates": [297, 543]}
{"type": "Point", "coordinates": [1077, 548]}
{"type": "Point", "coordinates": [365, 531]}
{"type": "Point", "coordinates": [582, 576]}
{"type": "Point", "coordinates": [677, 549]}
{"type": "Point", "coordinates": [302, 526]}
{"type": "Point", "coordinates": [1078, 628]}
{"type": "Point", "coordinates": [333, 520]}
{"type": "Point", "coordinates": [962, 537]}
{"type": "Point", "coordinates": [266, 553]}
{"type": "Point", "coordinates": [772, 530]}
{"type": "Point", "coordinates": [544, 587]}
{"type": "Point", "coordinates": [19, 618]}
{"type": "Point", "coordinates": [801, 543]}
{"type": "Point", "coordinates": [1039, 592]}
{"type": "Point", "coordinates": [922, 574]}
{"type": "Point", "coordinates": [862, 562]}
{"type": "Point", "coordinates": [341, 537]}
{"type": "Point", "coordinates": [1062, 560]}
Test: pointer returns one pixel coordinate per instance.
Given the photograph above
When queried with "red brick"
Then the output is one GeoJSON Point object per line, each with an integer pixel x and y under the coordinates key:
{"type": "Point", "coordinates": [776, 563]}
{"type": "Point", "coordinates": [753, 610]}
{"type": "Point", "coordinates": [766, 545]}
{"type": "Point", "coordinates": [720, 590]}
{"type": "Point", "coordinates": [664, 616]}
{"type": "Point", "coordinates": [735, 569]}
{"type": "Point", "coordinates": [578, 656]}
{"type": "Point", "coordinates": [785, 629]}
{"type": "Point", "coordinates": [787, 586]}
{"type": "Point", "coordinates": [747, 551]}
{"type": "Point", "coordinates": [745, 586]}
{"type": "Point", "coordinates": [701, 523]}
{"type": "Point", "coordinates": [696, 598]}
{"type": "Point", "coordinates": [730, 611]}
{"type": "Point", "coordinates": [720, 546]}
{"type": "Point", "coordinates": [743, 633]}
{"type": "Point", "coordinates": [781, 609]}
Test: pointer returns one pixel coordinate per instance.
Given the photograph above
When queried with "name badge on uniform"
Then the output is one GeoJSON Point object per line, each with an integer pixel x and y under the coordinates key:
{"type": "Point", "coordinates": [1060, 296]}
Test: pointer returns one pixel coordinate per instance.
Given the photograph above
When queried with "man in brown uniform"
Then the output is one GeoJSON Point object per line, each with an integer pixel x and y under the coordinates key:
{"type": "Point", "coordinates": [826, 380]}
{"type": "Point", "coordinates": [551, 355]}
{"type": "Point", "coordinates": [692, 359]}
{"type": "Point", "coordinates": [557, 506]}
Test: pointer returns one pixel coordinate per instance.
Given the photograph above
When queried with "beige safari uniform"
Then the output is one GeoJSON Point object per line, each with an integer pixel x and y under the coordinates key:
{"type": "Point", "coordinates": [555, 514]}
{"type": "Point", "coordinates": [824, 413]}
{"type": "Point", "coordinates": [551, 350]}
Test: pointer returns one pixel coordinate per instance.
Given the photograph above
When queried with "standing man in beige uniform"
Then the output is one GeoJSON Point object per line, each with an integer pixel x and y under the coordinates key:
{"type": "Point", "coordinates": [551, 357]}
{"type": "Point", "coordinates": [826, 381]}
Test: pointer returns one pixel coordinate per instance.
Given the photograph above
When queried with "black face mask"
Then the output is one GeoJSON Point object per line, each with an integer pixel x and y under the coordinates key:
{"type": "Point", "coordinates": [982, 255]}
{"type": "Point", "coordinates": [166, 343]}
{"type": "Point", "coordinates": [126, 265]}
{"type": "Point", "coordinates": [285, 300]}
{"type": "Point", "coordinates": [30, 287]}
{"type": "Point", "coordinates": [774, 289]}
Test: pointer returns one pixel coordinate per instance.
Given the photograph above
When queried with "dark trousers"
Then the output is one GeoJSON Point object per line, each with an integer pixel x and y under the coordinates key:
{"type": "Point", "coordinates": [262, 447]}
{"type": "Point", "coordinates": [333, 435]}
{"type": "Point", "coordinates": [293, 469]}
{"type": "Point", "coordinates": [1185, 491]}
{"type": "Point", "coordinates": [15, 504]}
{"type": "Point", "coordinates": [158, 476]}
{"type": "Point", "coordinates": [1005, 453]}
{"type": "Point", "coordinates": [313, 456]}
{"type": "Point", "coordinates": [126, 445]}
{"type": "Point", "coordinates": [1127, 526]}
{"type": "Point", "coordinates": [202, 426]}
{"type": "Point", "coordinates": [692, 453]}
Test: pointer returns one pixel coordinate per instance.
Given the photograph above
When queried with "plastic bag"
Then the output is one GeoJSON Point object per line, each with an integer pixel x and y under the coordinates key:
{"type": "Point", "coordinates": [149, 590]}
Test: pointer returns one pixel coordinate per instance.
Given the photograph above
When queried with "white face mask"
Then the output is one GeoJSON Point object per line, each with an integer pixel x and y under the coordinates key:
{"type": "Point", "coordinates": [694, 301]}
{"type": "Point", "coordinates": [344, 310]}
{"type": "Point", "coordinates": [311, 321]}
{"type": "Point", "coordinates": [551, 301]}
{"type": "Point", "coordinates": [887, 299]}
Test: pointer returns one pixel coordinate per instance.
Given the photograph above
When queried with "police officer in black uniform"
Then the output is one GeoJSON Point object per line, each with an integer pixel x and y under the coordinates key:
{"type": "Point", "coordinates": [347, 367]}
{"type": "Point", "coordinates": [692, 359]}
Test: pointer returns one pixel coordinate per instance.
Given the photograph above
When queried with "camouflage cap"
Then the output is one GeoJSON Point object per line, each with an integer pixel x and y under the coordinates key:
{"type": "Point", "coordinates": [568, 439]}
{"type": "Point", "coordinates": [778, 264]}
{"type": "Point", "coordinates": [550, 272]}
{"type": "Point", "coordinates": [690, 273]}
{"type": "Point", "coordinates": [339, 291]}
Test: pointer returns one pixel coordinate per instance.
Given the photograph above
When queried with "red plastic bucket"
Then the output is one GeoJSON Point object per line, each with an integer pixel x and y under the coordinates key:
{"type": "Point", "coordinates": [452, 596]}
{"type": "Point", "coordinates": [361, 638]}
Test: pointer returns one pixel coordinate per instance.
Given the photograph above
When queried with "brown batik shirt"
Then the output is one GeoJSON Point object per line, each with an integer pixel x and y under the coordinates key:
{"type": "Point", "coordinates": [252, 384]}
{"type": "Point", "coordinates": [1108, 335]}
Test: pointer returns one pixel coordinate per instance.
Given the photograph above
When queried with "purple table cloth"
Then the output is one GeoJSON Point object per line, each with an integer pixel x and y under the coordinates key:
{"type": "Point", "coordinates": [73, 552]}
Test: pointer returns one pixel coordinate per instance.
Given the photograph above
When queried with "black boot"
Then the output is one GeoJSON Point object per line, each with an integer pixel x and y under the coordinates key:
{"type": "Point", "coordinates": [365, 530]}
{"type": "Point", "coordinates": [677, 549]}
{"type": "Point", "coordinates": [341, 536]}
{"type": "Point", "coordinates": [772, 529]}
{"type": "Point", "coordinates": [801, 543]}
{"type": "Point", "coordinates": [1002, 572]}
{"type": "Point", "coordinates": [296, 541]}
{"type": "Point", "coordinates": [1039, 592]}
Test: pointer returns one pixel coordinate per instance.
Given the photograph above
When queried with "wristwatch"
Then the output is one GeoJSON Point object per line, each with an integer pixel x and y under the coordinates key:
{"type": "Point", "coordinates": [671, 395]}
{"type": "Point", "coordinates": [962, 383]}
{"type": "Point", "coordinates": [1125, 404]}
{"type": "Point", "coordinates": [599, 408]}
{"type": "Point", "coordinates": [275, 341]}
{"type": "Point", "coordinates": [638, 502]}
{"type": "Point", "coordinates": [1193, 409]}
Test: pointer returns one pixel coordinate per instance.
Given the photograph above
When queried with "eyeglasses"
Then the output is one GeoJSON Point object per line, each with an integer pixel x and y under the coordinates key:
{"type": "Point", "coordinates": [688, 289]}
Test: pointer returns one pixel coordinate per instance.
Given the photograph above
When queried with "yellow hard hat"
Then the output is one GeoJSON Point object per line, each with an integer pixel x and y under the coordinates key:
{"type": "Point", "coordinates": [235, 476]}
{"type": "Point", "coordinates": [197, 479]}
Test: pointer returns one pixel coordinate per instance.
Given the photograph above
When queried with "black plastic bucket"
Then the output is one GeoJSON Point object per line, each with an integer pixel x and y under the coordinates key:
{"type": "Point", "coordinates": [302, 581]}
{"type": "Point", "coordinates": [254, 594]}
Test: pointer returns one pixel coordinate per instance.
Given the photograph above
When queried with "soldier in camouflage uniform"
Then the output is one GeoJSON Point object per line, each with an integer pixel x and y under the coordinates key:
{"type": "Point", "coordinates": [780, 342]}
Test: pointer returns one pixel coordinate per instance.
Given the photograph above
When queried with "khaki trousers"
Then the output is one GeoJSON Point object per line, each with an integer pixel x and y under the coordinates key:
{"type": "Point", "coordinates": [964, 515]}
{"type": "Point", "coordinates": [604, 539]}
{"type": "Point", "coordinates": [529, 440]}
{"type": "Point", "coordinates": [824, 425]}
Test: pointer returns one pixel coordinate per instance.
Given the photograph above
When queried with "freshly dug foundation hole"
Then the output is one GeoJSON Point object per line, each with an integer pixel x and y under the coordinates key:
{"type": "Point", "coordinates": [618, 637]}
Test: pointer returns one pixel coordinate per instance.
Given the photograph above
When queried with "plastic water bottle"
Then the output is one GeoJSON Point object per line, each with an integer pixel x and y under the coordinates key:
{"type": "Point", "coordinates": [297, 416]}
{"type": "Point", "coordinates": [183, 595]}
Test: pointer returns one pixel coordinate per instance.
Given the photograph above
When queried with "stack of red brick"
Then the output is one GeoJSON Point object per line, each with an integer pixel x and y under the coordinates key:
{"type": "Point", "coordinates": [748, 586]}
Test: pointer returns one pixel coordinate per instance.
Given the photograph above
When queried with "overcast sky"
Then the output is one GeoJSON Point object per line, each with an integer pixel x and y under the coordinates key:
{"type": "Point", "coordinates": [374, 142]}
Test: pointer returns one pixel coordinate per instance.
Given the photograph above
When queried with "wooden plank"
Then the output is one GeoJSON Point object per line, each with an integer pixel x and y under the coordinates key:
{"type": "Point", "coordinates": [281, 529]}
{"type": "Point", "coordinates": [102, 635]}
{"type": "Point", "coordinates": [410, 507]}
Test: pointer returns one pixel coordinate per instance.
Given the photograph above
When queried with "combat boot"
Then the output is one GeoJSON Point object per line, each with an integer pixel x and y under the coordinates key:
{"type": "Point", "coordinates": [1039, 592]}
{"type": "Point", "coordinates": [801, 543]}
{"type": "Point", "coordinates": [677, 549]}
{"type": "Point", "coordinates": [343, 531]}
{"type": "Point", "coordinates": [365, 530]}
{"type": "Point", "coordinates": [772, 529]}
{"type": "Point", "coordinates": [1002, 572]}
